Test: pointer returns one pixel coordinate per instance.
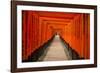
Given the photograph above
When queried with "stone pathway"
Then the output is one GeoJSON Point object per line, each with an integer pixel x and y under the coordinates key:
{"type": "Point", "coordinates": [55, 51]}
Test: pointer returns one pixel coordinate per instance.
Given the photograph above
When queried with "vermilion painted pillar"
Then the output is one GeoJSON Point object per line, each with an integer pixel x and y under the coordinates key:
{"type": "Point", "coordinates": [24, 33]}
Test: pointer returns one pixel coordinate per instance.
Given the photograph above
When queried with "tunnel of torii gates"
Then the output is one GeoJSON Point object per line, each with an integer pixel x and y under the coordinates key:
{"type": "Point", "coordinates": [40, 26]}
